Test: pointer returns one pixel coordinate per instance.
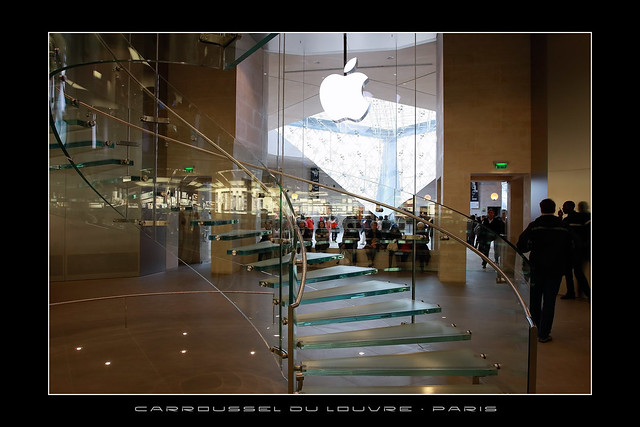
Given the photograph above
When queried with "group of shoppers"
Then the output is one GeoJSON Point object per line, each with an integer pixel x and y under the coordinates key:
{"type": "Point", "coordinates": [558, 244]}
{"type": "Point", "coordinates": [482, 233]}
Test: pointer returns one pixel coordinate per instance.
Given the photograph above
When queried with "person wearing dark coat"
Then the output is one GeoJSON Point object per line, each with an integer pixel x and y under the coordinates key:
{"type": "Point", "coordinates": [491, 229]}
{"type": "Point", "coordinates": [577, 223]}
{"type": "Point", "coordinates": [550, 244]}
{"type": "Point", "coordinates": [372, 238]}
{"type": "Point", "coordinates": [349, 243]}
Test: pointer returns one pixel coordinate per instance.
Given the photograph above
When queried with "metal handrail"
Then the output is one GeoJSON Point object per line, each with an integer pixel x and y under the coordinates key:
{"type": "Point", "coordinates": [293, 304]}
{"type": "Point", "coordinates": [243, 165]}
{"type": "Point", "coordinates": [303, 252]}
{"type": "Point", "coordinates": [533, 334]}
{"type": "Point", "coordinates": [417, 218]}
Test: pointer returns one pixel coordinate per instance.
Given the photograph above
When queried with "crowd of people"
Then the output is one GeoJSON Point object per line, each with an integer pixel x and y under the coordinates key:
{"type": "Point", "coordinates": [371, 233]}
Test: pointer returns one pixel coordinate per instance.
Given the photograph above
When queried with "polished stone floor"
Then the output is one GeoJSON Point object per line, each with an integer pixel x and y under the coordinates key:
{"type": "Point", "coordinates": [177, 333]}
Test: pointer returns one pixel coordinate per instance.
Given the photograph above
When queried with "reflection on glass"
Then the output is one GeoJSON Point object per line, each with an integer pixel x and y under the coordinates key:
{"type": "Point", "coordinates": [177, 189]}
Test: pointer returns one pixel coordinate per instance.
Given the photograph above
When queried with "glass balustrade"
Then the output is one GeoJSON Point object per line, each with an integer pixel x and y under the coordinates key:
{"type": "Point", "coordinates": [142, 180]}
{"type": "Point", "coordinates": [431, 290]}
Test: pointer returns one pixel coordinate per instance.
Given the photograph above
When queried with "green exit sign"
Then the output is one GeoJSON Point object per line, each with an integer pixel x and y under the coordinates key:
{"type": "Point", "coordinates": [500, 165]}
{"type": "Point", "coordinates": [189, 169]}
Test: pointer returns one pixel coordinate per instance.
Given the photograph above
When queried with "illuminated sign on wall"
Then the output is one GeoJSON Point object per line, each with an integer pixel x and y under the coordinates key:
{"type": "Point", "coordinates": [500, 165]}
{"type": "Point", "coordinates": [341, 95]}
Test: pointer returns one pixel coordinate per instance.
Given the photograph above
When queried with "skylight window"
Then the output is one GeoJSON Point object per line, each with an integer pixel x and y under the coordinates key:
{"type": "Point", "coordinates": [374, 157]}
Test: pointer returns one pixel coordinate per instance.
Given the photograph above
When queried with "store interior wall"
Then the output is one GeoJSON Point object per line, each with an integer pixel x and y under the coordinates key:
{"type": "Point", "coordinates": [486, 93]}
{"type": "Point", "coordinates": [520, 98]}
{"type": "Point", "coordinates": [569, 117]}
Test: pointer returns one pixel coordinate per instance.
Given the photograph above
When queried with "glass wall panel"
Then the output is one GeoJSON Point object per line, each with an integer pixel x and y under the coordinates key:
{"type": "Point", "coordinates": [391, 149]}
{"type": "Point", "coordinates": [147, 174]}
{"type": "Point", "coordinates": [345, 174]}
{"type": "Point", "coordinates": [145, 180]}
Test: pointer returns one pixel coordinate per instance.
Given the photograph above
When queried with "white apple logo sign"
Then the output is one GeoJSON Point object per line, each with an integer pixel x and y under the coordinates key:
{"type": "Point", "coordinates": [341, 95]}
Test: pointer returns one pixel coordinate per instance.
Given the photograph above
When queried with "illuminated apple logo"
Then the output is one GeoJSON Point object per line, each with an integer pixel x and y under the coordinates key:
{"type": "Point", "coordinates": [341, 95]}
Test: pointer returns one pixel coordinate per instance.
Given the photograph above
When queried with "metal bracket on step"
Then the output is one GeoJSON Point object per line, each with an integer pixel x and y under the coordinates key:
{"type": "Point", "coordinates": [280, 352]}
{"type": "Point", "coordinates": [299, 381]}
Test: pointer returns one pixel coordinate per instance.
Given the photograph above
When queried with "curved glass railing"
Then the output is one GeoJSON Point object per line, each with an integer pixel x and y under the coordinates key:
{"type": "Point", "coordinates": [141, 181]}
{"type": "Point", "coordinates": [416, 258]}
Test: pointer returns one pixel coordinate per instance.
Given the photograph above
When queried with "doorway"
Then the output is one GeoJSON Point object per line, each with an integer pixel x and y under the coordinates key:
{"type": "Point", "coordinates": [505, 195]}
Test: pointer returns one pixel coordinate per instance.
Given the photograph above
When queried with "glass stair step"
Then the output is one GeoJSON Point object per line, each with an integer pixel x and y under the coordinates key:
{"type": "Point", "coordinates": [312, 258]}
{"type": "Point", "coordinates": [412, 333]}
{"type": "Point", "coordinates": [381, 310]}
{"type": "Point", "coordinates": [256, 248]}
{"type": "Point", "coordinates": [208, 222]}
{"type": "Point", "coordinates": [354, 290]}
{"type": "Point", "coordinates": [324, 274]}
{"type": "Point", "coordinates": [260, 247]}
{"type": "Point", "coordinates": [239, 234]}
{"type": "Point", "coordinates": [409, 389]}
{"type": "Point", "coordinates": [460, 362]}
{"type": "Point", "coordinates": [94, 163]}
{"type": "Point", "coordinates": [88, 143]}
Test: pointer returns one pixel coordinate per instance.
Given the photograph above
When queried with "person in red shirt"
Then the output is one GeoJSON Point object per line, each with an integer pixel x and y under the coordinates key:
{"type": "Point", "coordinates": [333, 225]}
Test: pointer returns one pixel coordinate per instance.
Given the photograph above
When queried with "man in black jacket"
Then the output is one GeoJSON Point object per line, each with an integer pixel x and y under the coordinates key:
{"type": "Point", "coordinates": [550, 245]}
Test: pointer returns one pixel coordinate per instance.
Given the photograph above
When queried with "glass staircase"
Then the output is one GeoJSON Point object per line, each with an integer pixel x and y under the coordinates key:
{"type": "Point", "coordinates": [104, 154]}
